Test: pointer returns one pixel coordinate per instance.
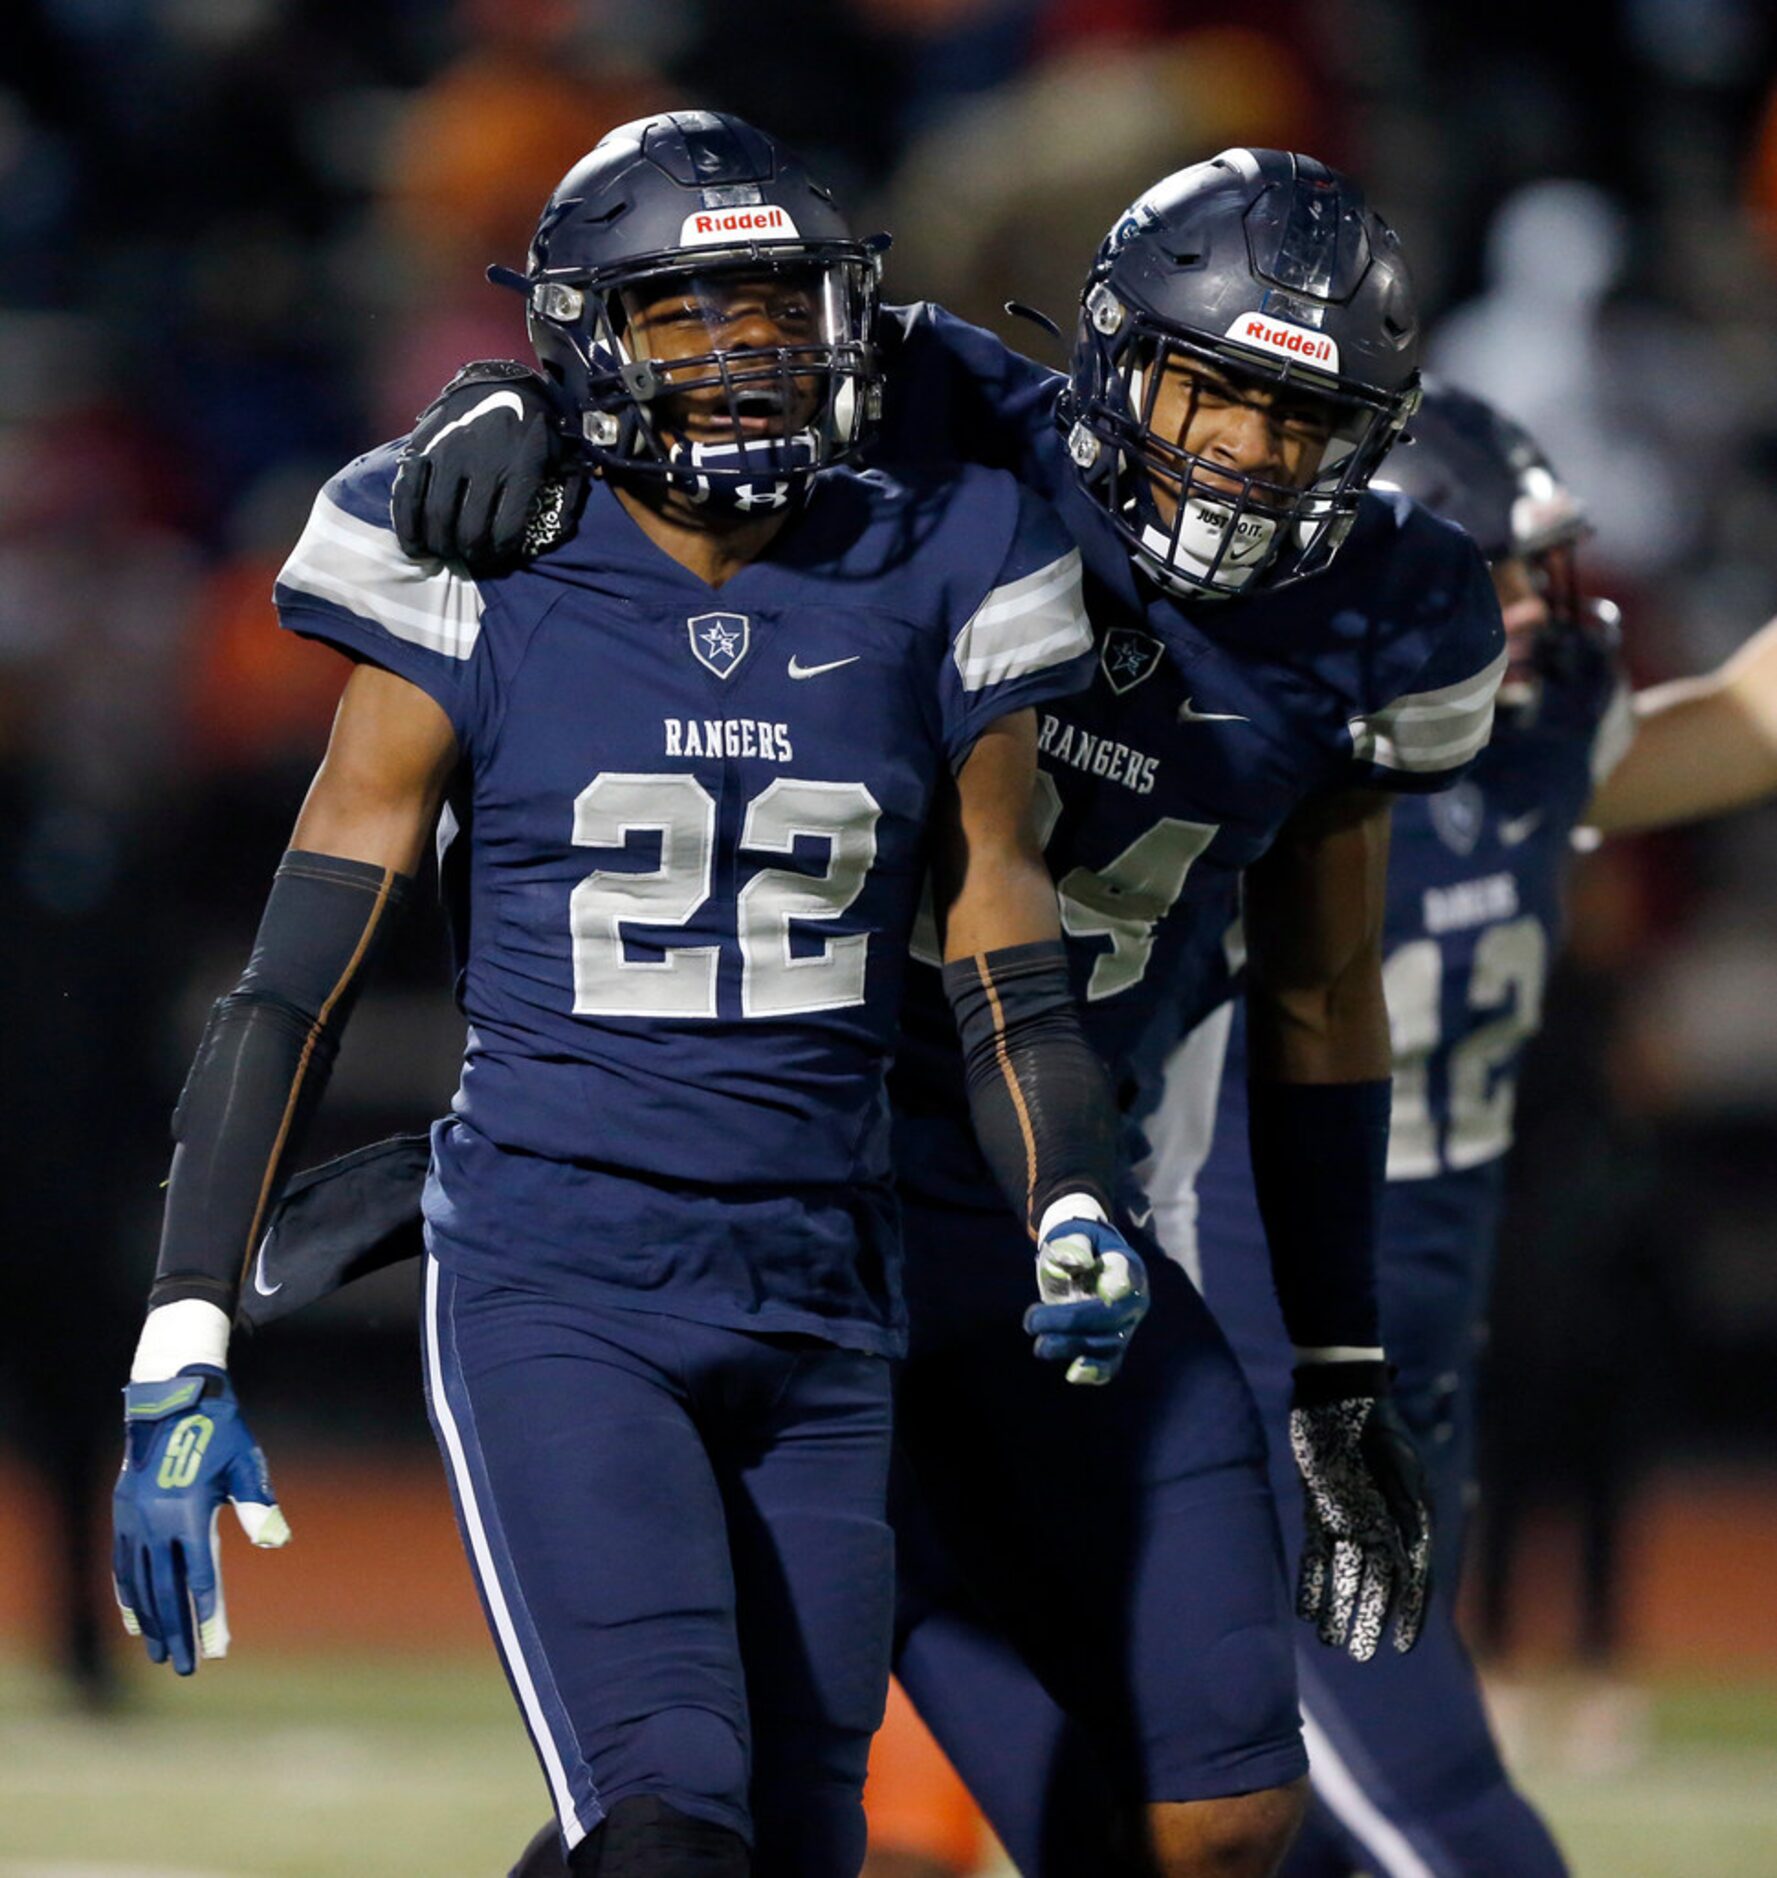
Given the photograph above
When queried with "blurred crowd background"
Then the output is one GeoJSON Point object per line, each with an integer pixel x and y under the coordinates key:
{"type": "Point", "coordinates": [243, 240]}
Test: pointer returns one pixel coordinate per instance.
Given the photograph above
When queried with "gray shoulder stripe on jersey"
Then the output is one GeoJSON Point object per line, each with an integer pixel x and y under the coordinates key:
{"type": "Point", "coordinates": [1024, 626]}
{"type": "Point", "coordinates": [1372, 745]}
{"type": "Point", "coordinates": [1431, 730]}
{"type": "Point", "coordinates": [360, 566]}
{"type": "Point", "coordinates": [1020, 596]}
{"type": "Point", "coordinates": [1464, 695]}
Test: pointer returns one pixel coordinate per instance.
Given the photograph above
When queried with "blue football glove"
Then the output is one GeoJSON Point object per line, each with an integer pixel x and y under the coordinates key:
{"type": "Point", "coordinates": [186, 1450]}
{"type": "Point", "coordinates": [1094, 1291]}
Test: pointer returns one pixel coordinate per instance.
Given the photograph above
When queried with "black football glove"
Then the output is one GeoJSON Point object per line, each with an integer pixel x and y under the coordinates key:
{"type": "Point", "coordinates": [491, 475]}
{"type": "Point", "coordinates": [1367, 1547]}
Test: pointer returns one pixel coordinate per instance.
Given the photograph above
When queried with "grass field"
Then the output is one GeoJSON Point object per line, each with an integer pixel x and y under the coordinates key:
{"type": "Point", "coordinates": [308, 1766]}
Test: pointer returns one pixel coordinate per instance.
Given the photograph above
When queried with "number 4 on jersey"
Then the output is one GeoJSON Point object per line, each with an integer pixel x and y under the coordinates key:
{"type": "Point", "coordinates": [1124, 901]}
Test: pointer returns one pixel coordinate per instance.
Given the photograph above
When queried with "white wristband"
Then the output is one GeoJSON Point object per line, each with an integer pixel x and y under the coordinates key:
{"type": "Point", "coordinates": [1069, 1206]}
{"type": "Point", "coordinates": [189, 1330]}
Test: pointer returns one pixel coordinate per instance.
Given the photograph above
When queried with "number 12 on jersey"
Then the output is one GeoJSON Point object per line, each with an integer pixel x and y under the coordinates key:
{"type": "Point", "coordinates": [1504, 1009]}
{"type": "Point", "coordinates": [682, 981]}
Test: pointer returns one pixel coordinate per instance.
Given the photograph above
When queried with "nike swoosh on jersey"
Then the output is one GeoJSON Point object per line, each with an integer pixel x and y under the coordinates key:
{"type": "Point", "coordinates": [494, 401]}
{"type": "Point", "coordinates": [1521, 827]}
{"type": "Point", "coordinates": [259, 1284]}
{"type": "Point", "coordinates": [1187, 716]}
{"type": "Point", "coordinates": [798, 670]}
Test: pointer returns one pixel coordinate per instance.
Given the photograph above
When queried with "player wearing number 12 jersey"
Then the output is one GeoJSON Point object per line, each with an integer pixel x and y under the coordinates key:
{"type": "Point", "coordinates": [693, 770]}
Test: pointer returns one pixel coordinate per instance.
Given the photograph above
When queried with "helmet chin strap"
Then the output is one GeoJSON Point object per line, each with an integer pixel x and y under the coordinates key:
{"type": "Point", "coordinates": [748, 476]}
{"type": "Point", "coordinates": [1183, 558]}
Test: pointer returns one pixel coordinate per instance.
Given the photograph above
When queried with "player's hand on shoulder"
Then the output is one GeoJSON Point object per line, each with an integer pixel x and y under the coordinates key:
{"type": "Point", "coordinates": [187, 1449]}
{"type": "Point", "coordinates": [1093, 1288]}
{"type": "Point", "coordinates": [490, 475]}
{"type": "Point", "coordinates": [1366, 1556]}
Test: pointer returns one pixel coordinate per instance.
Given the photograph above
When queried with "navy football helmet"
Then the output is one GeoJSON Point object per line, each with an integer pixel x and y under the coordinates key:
{"type": "Point", "coordinates": [1263, 279]}
{"type": "Point", "coordinates": [1457, 461]}
{"type": "Point", "coordinates": [701, 304]}
{"type": "Point", "coordinates": [1468, 462]}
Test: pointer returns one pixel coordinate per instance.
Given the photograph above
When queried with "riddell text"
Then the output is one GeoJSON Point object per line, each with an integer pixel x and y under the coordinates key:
{"type": "Point", "coordinates": [739, 222]}
{"type": "Point", "coordinates": [1286, 338]}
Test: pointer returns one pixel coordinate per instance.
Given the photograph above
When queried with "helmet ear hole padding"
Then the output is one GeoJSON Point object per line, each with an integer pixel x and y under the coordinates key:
{"type": "Point", "coordinates": [846, 412]}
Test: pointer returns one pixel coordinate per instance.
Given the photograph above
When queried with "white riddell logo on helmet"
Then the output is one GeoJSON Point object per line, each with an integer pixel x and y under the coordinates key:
{"type": "Point", "coordinates": [1294, 342]}
{"type": "Point", "coordinates": [713, 225]}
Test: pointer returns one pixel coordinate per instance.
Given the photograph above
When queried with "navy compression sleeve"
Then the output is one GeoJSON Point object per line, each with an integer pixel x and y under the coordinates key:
{"type": "Point", "coordinates": [261, 1066]}
{"type": "Point", "coordinates": [1038, 1094]}
{"type": "Point", "coordinates": [1320, 1159]}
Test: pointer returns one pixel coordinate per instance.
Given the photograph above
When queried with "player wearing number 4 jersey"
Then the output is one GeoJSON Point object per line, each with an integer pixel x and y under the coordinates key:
{"type": "Point", "coordinates": [1279, 654]}
{"type": "Point", "coordinates": [693, 770]}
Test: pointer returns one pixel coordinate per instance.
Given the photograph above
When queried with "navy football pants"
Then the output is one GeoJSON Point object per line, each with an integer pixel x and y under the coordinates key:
{"type": "Point", "coordinates": [1408, 1781]}
{"type": "Point", "coordinates": [679, 1538]}
{"type": "Point", "coordinates": [1117, 1544]}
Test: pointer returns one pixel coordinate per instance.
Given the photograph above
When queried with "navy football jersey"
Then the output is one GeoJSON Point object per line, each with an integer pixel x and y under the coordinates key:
{"type": "Point", "coordinates": [685, 847]}
{"type": "Point", "coordinates": [1474, 919]}
{"type": "Point", "coordinates": [1205, 727]}
{"type": "Point", "coordinates": [1473, 922]}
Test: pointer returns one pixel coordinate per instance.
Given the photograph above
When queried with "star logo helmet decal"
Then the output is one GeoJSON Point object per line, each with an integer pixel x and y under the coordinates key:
{"type": "Point", "coordinates": [719, 641]}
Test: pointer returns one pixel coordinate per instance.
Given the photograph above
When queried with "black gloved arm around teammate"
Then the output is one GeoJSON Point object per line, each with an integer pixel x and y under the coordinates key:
{"type": "Point", "coordinates": [490, 475]}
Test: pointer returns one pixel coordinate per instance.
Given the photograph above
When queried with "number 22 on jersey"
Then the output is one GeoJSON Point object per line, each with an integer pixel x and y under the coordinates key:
{"type": "Point", "coordinates": [682, 981]}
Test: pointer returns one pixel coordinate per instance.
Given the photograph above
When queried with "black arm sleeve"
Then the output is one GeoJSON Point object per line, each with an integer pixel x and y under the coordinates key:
{"type": "Point", "coordinates": [1039, 1096]}
{"type": "Point", "coordinates": [260, 1069]}
{"type": "Point", "coordinates": [1320, 1161]}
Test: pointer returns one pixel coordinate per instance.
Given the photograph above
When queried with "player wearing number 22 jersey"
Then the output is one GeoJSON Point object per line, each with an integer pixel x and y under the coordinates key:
{"type": "Point", "coordinates": [690, 836]}
{"type": "Point", "coordinates": [1093, 1616]}
{"type": "Point", "coordinates": [705, 806]}
{"type": "Point", "coordinates": [692, 771]}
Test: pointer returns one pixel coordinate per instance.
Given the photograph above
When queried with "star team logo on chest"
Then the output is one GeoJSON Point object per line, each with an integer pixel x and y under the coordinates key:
{"type": "Point", "coordinates": [1128, 656]}
{"type": "Point", "coordinates": [719, 641]}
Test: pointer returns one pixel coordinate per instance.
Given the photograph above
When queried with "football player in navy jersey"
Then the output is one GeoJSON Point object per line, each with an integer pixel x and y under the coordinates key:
{"type": "Point", "coordinates": [1407, 1779]}
{"type": "Point", "coordinates": [690, 772]}
{"type": "Point", "coordinates": [1281, 653]}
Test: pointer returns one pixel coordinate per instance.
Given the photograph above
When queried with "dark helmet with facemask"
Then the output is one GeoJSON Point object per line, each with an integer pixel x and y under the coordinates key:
{"type": "Point", "coordinates": [702, 213]}
{"type": "Point", "coordinates": [1465, 460]}
{"type": "Point", "coordinates": [1457, 460]}
{"type": "Point", "coordinates": [1268, 270]}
